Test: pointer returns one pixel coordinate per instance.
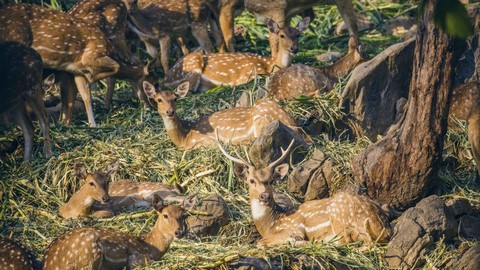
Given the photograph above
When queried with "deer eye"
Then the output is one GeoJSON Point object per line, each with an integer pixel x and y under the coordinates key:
{"type": "Point", "coordinates": [165, 216]}
{"type": "Point", "coordinates": [252, 181]}
{"type": "Point", "coordinates": [282, 36]}
{"type": "Point", "coordinates": [92, 184]}
{"type": "Point", "coordinates": [159, 100]}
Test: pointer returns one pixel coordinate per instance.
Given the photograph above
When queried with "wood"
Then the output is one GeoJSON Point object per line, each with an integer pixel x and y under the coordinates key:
{"type": "Point", "coordinates": [399, 169]}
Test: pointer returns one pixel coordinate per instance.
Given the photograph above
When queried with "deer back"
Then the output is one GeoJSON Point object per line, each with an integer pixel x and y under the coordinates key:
{"type": "Point", "coordinates": [465, 100]}
{"type": "Point", "coordinates": [15, 256]}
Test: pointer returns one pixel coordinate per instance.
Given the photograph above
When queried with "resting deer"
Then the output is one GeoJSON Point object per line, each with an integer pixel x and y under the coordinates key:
{"type": "Point", "coordinates": [101, 198]}
{"type": "Point", "coordinates": [162, 20]}
{"type": "Point", "coordinates": [106, 248]}
{"type": "Point", "coordinates": [21, 70]}
{"type": "Point", "coordinates": [352, 217]}
{"type": "Point", "coordinates": [111, 17]}
{"type": "Point", "coordinates": [14, 256]}
{"type": "Point", "coordinates": [282, 11]}
{"type": "Point", "coordinates": [64, 42]}
{"type": "Point", "coordinates": [235, 125]}
{"type": "Point", "coordinates": [298, 80]}
{"type": "Point", "coordinates": [205, 71]}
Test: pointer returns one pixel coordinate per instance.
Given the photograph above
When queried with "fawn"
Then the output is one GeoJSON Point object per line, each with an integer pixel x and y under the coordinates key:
{"type": "Point", "coordinates": [106, 248]}
{"type": "Point", "coordinates": [352, 217]}
{"type": "Point", "coordinates": [235, 125]}
{"type": "Point", "coordinates": [282, 11]}
{"type": "Point", "coordinates": [205, 71]}
{"type": "Point", "coordinates": [21, 70]}
{"type": "Point", "coordinates": [101, 198]}
{"type": "Point", "coordinates": [16, 257]}
{"type": "Point", "coordinates": [64, 42]}
{"type": "Point", "coordinates": [299, 79]}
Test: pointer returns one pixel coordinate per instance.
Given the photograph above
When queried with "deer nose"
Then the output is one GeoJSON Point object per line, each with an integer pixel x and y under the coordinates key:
{"type": "Point", "coordinates": [170, 112]}
{"type": "Point", "coordinates": [178, 233]}
{"type": "Point", "coordinates": [265, 197]}
{"type": "Point", "coordinates": [106, 198]}
{"type": "Point", "coordinates": [294, 49]}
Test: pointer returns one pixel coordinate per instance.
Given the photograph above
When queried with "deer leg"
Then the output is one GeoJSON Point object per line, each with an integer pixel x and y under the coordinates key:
{"type": "Point", "coordinates": [226, 25]}
{"type": "Point", "coordinates": [345, 7]}
{"type": "Point", "coordinates": [109, 94]}
{"type": "Point", "coordinates": [38, 108]}
{"type": "Point", "coordinates": [68, 92]}
{"type": "Point", "coordinates": [474, 137]}
{"type": "Point", "coordinates": [82, 87]}
{"type": "Point", "coordinates": [217, 35]}
{"type": "Point", "coordinates": [200, 33]}
{"type": "Point", "coordinates": [183, 46]}
{"type": "Point", "coordinates": [141, 95]}
{"type": "Point", "coordinates": [21, 118]}
{"type": "Point", "coordinates": [164, 48]}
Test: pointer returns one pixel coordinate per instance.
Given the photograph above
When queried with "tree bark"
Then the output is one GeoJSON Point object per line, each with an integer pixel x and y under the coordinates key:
{"type": "Point", "coordinates": [398, 169]}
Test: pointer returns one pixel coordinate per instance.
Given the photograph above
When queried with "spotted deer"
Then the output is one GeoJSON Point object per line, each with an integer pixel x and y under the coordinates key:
{"type": "Point", "coordinates": [282, 11]}
{"type": "Point", "coordinates": [106, 248]}
{"type": "Point", "coordinates": [205, 71]}
{"type": "Point", "coordinates": [160, 21]}
{"type": "Point", "coordinates": [14, 256]}
{"type": "Point", "coordinates": [235, 125]}
{"type": "Point", "coordinates": [99, 197]}
{"type": "Point", "coordinates": [465, 105]}
{"type": "Point", "coordinates": [21, 84]}
{"type": "Point", "coordinates": [111, 17]}
{"type": "Point", "coordinates": [344, 217]}
{"type": "Point", "coordinates": [299, 79]}
{"type": "Point", "coordinates": [64, 42]}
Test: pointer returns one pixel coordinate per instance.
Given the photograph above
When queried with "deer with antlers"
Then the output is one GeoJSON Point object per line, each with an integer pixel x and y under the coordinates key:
{"type": "Point", "coordinates": [205, 71]}
{"type": "Point", "coordinates": [235, 125]}
{"type": "Point", "coordinates": [99, 197]}
{"type": "Point", "coordinates": [347, 216]}
{"type": "Point", "coordinates": [106, 248]}
{"type": "Point", "coordinates": [282, 11]}
{"type": "Point", "coordinates": [21, 84]}
{"type": "Point", "coordinates": [299, 79]}
{"type": "Point", "coordinates": [64, 42]}
{"type": "Point", "coordinates": [16, 257]}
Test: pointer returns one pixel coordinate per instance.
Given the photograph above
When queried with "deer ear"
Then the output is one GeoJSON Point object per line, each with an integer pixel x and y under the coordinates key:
{"type": "Point", "coordinates": [190, 202]}
{"type": "Point", "coordinates": [272, 26]}
{"type": "Point", "coordinates": [280, 171]}
{"type": "Point", "coordinates": [80, 171]}
{"type": "Point", "coordinates": [149, 89]}
{"type": "Point", "coordinates": [113, 167]}
{"type": "Point", "coordinates": [157, 203]}
{"type": "Point", "coordinates": [49, 81]}
{"type": "Point", "coordinates": [303, 24]}
{"type": "Point", "coordinates": [182, 90]}
{"type": "Point", "coordinates": [241, 171]}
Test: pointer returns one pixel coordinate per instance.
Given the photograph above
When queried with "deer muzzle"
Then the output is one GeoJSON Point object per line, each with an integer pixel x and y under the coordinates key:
{"type": "Point", "coordinates": [264, 197]}
{"type": "Point", "coordinates": [170, 112]}
{"type": "Point", "coordinates": [179, 233]}
{"type": "Point", "coordinates": [105, 198]}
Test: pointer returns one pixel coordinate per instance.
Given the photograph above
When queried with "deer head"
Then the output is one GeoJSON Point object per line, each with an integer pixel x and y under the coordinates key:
{"type": "Point", "coordinates": [287, 37]}
{"type": "Point", "coordinates": [171, 219]}
{"type": "Point", "coordinates": [97, 183]}
{"type": "Point", "coordinates": [165, 99]}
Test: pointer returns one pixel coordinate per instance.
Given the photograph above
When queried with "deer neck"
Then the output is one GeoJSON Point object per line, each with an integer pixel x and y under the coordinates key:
{"type": "Point", "coordinates": [158, 241]}
{"type": "Point", "coordinates": [341, 68]}
{"type": "Point", "coordinates": [283, 59]}
{"type": "Point", "coordinates": [265, 217]}
{"type": "Point", "coordinates": [80, 204]}
{"type": "Point", "coordinates": [175, 130]}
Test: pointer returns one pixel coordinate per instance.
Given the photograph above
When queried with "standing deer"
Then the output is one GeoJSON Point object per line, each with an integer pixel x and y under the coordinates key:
{"type": "Point", "coordinates": [64, 42]}
{"type": "Point", "coordinates": [225, 11]}
{"type": "Point", "coordinates": [106, 248]}
{"type": "Point", "coordinates": [162, 20]}
{"type": "Point", "coordinates": [205, 71]}
{"type": "Point", "coordinates": [352, 217]}
{"type": "Point", "coordinates": [14, 256]}
{"type": "Point", "coordinates": [21, 84]}
{"type": "Point", "coordinates": [101, 198]}
{"type": "Point", "coordinates": [299, 79]}
{"type": "Point", "coordinates": [235, 125]}
{"type": "Point", "coordinates": [282, 11]}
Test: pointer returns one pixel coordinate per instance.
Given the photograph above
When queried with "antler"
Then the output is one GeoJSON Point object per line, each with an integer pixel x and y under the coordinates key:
{"type": "Point", "coordinates": [282, 157]}
{"type": "Point", "coordinates": [234, 159]}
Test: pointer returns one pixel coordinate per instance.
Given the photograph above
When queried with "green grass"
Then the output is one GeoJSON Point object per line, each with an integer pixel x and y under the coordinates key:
{"type": "Point", "coordinates": [32, 193]}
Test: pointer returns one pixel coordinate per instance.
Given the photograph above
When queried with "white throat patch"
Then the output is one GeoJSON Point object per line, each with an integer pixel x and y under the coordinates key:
{"type": "Point", "coordinates": [258, 210]}
{"type": "Point", "coordinates": [88, 201]}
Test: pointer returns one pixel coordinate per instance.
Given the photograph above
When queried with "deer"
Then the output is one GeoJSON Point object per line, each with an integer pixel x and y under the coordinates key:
{"type": "Point", "coordinates": [21, 84]}
{"type": "Point", "coordinates": [64, 42]}
{"type": "Point", "coordinates": [101, 198]}
{"type": "Point", "coordinates": [299, 79]}
{"type": "Point", "coordinates": [343, 218]}
{"type": "Point", "coordinates": [224, 12]}
{"type": "Point", "coordinates": [234, 125]}
{"type": "Point", "coordinates": [14, 256]}
{"type": "Point", "coordinates": [111, 17]}
{"type": "Point", "coordinates": [160, 21]}
{"type": "Point", "coordinates": [282, 11]}
{"type": "Point", "coordinates": [205, 71]}
{"type": "Point", "coordinates": [106, 248]}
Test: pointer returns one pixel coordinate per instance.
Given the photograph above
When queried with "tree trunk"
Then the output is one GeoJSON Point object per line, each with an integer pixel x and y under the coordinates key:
{"type": "Point", "coordinates": [398, 170]}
